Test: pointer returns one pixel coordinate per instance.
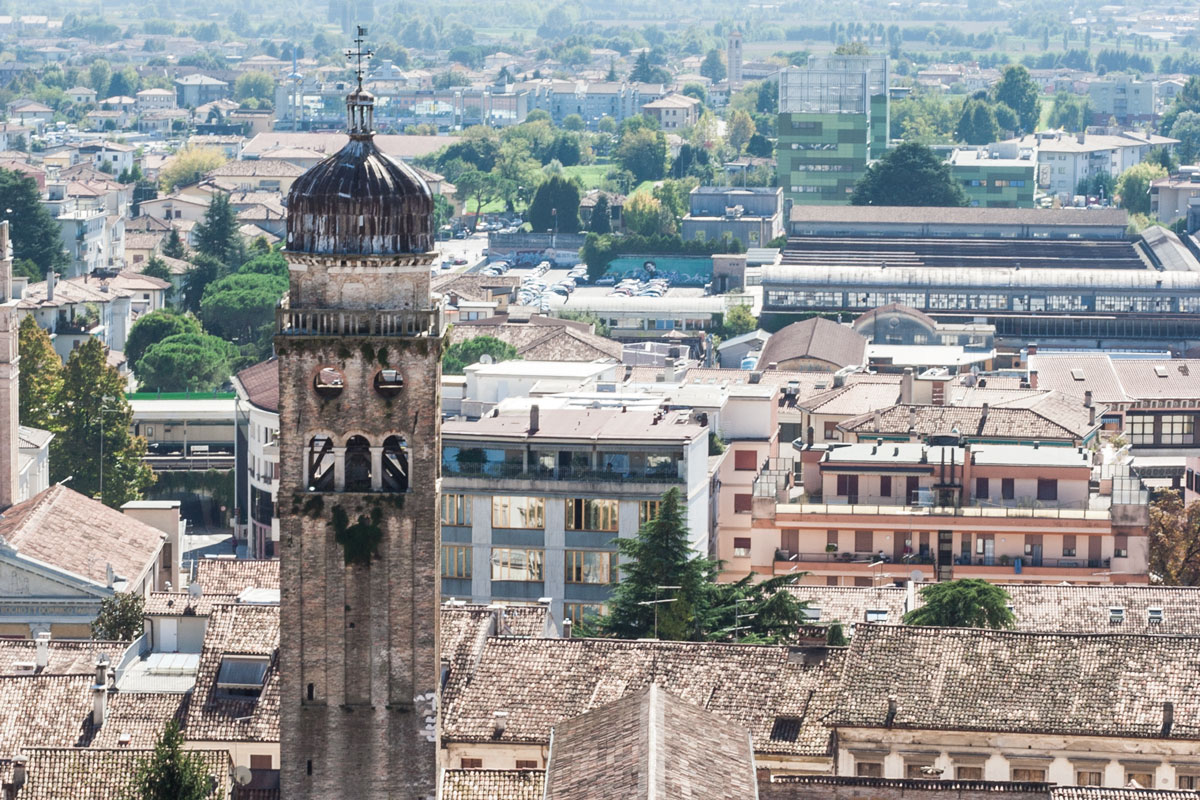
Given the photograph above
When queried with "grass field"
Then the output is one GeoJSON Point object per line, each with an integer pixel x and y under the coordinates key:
{"type": "Point", "coordinates": [592, 175]}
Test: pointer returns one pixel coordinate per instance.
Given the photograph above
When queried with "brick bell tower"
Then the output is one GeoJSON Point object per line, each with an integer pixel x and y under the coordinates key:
{"type": "Point", "coordinates": [359, 344]}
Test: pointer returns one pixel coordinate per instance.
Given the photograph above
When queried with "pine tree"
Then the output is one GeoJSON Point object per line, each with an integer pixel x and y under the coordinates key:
{"type": "Point", "coordinates": [601, 219]}
{"type": "Point", "coordinates": [36, 236]}
{"type": "Point", "coordinates": [217, 234]}
{"type": "Point", "coordinates": [41, 377]}
{"type": "Point", "coordinates": [642, 71]}
{"type": "Point", "coordinates": [174, 247]}
{"type": "Point", "coordinates": [98, 417]}
{"type": "Point", "coordinates": [171, 772]}
{"type": "Point", "coordinates": [611, 77]}
{"type": "Point", "coordinates": [155, 268]}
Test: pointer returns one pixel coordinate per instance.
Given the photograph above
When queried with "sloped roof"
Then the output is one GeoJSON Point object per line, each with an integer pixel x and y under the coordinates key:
{"type": "Point", "coordinates": [650, 744]}
{"type": "Point", "coordinates": [543, 342]}
{"type": "Point", "coordinates": [245, 630]}
{"type": "Point", "coordinates": [66, 657]}
{"type": "Point", "coordinates": [492, 784]}
{"type": "Point", "coordinates": [103, 774]}
{"type": "Point", "coordinates": [45, 710]}
{"type": "Point", "coordinates": [233, 575]}
{"type": "Point", "coordinates": [1146, 378]}
{"type": "Point", "coordinates": [745, 684]}
{"type": "Point", "coordinates": [182, 604]}
{"type": "Point", "coordinates": [849, 604]}
{"type": "Point", "coordinates": [1076, 373]}
{"type": "Point", "coordinates": [264, 168]}
{"type": "Point", "coordinates": [67, 530]}
{"type": "Point", "coordinates": [139, 715]}
{"type": "Point", "coordinates": [853, 398]}
{"type": "Point", "coordinates": [1018, 682]}
{"type": "Point", "coordinates": [999, 423]}
{"type": "Point", "coordinates": [817, 338]}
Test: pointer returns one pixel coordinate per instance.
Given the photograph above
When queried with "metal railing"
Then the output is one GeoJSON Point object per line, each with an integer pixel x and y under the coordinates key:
{"type": "Point", "coordinates": [498, 470]}
{"type": "Point", "coordinates": [340, 322]}
{"type": "Point", "coordinates": [942, 511]}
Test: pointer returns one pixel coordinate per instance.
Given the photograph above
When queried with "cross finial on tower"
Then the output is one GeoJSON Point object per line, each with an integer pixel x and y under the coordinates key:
{"type": "Point", "coordinates": [358, 53]}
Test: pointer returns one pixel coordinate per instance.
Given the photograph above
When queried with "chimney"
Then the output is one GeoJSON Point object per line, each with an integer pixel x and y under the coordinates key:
{"type": "Point", "coordinates": [499, 723]}
{"type": "Point", "coordinates": [100, 693]}
{"type": "Point", "coordinates": [42, 641]}
{"type": "Point", "coordinates": [1081, 137]}
{"type": "Point", "coordinates": [1033, 379]}
{"type": "Point", "coordinates": [18, 772]}
{"type": "Point", "coordinates": [566, 629]}
{"type": "Point", "coordinates": [985, 410]}
{"type": "Point", "coordinates": [1087, 399]}
{"type": "Point", "coordinates": [877, 417]}
{"type": "Point", "coordinates": [811, 433]}
{"type": "Point", "coordinates": [534, 414]}
{"type": "Point", "coordinates": [906, 386]}
{"type": "Point", "coordinates": [1091, 415]}
{"type": "Point", "coordinates": [891, 712]}
{"type": "Point", "coordinates": [1031, 349]}
{"type": "Point", "coordinates": [50, 276]}
{"type": "Point", "coordinates": [1168, 718]}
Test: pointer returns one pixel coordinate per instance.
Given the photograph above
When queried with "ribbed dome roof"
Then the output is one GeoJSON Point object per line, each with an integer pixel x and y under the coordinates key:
{"type": "Point", "coordinates": [360, 201]}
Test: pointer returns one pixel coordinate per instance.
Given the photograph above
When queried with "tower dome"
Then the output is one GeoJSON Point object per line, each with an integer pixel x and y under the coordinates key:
{"type": "Point", "coordinates": [360, 201]}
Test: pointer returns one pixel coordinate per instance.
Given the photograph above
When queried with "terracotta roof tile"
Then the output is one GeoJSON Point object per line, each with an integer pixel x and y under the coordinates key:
{"type": "Point", "coordinates": [45, 710]}
{"type": "Point", "coordinates": [1018, 682]}
{"type": "Point", "coordinates": [75, 533]}
{"type": "Point", "coordinates": [233, 575]}
{"type": "Point", "coordinates": [58, 773]}
{"type": "Point", "coordinates": [139, 715]}
{"type": "Point", "coordinates": [816, 338]}
{"type": "Point", "coordinates": [236, 630]}
{"type": "Point", "coordinates": [66, 657]}
{"type": "Point", "coordinates": [973, 423]}
{"type": "Point", "coordinates": [492, 784]}
{"type": "Point", "coordinates": [182, 604]}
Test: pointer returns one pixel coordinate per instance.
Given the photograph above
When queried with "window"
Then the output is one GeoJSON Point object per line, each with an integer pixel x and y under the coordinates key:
{"type": "Point", "coordinates": [527, 764]}
{"type": "Point", "coordinates": [241, 676]}
{"type": "Point", "coordinates": [1037, 774]}
{"type": "Point", "coordinates": [1089, 777]}
{"type": "Point", "coordinates": [456, 509]}
{"type": "Point", "coordinates": [743, 503]}
{"type": "Point", "coordinates": [1008, 490]}
{"type": "Point", "coordinates": [591, 566]}
{"type": "Point", "coordinates": [589, 514]}
{"type": "Point", "coordinates": [518, 512]}
{"type": "Point", "coordinates": [647, 510]}
{"type": "Point", "coordinates": [876, 614]}
{"type": "Point", "coordinates": [471, 763]}
{"type": "Point", "coordinates": [1142, 779]}
{"type": "Point", "coordinates": [1047, 489]}
{"type": "Point", "coordinates": [1141, 429]}
{"type": "Point", "coordinates": [741, 547]}
{"type": "Point", "coordinates": [885, 486]}
{"type": "Point", "coordinates": [1188, 782]}
{"type": "Point", "coordinates": [578, 612]}
{"type": "Point", "coordinates": [511, 564]}
{"type": "Point", "coordinates": [968, 773]}
{"type": "Point", "coordinates": [981, 489]}
{"type": "Point", "coordinates": [745, 460]}
{"type": "Point", "coordinates": [456, 561]}
{"type": "Point", "coordinates": [868, 769]}
{"type": "Point", "coordinates": [916, 771]}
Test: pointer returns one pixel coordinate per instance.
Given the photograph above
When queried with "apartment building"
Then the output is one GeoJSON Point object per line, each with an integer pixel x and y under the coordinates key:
{"type": "Point", "coordinates": [999, 177]}
{"type": "Point", "coordinates": [257, 457]}
{"type": "Point", "coordinates": [752, 215]}
{"type": "Point", "coordinates": [1170, 196]}
{"type": "Point", "coordinates": [532, 500]}
{"type": "Point", "coordinates": [1123, 97]}
{"type": "Point", "coordinates": [1066, 159]}
{"type": "Point", "coordinates": [879, 512]}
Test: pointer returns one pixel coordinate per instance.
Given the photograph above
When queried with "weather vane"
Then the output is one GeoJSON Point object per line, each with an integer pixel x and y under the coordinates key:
{"type": "Point", "coordinates": [359, 54]}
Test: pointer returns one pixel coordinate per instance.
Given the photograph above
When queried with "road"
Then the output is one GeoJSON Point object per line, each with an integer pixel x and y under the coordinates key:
{"type": "Point", "coordinates": [470, 248]}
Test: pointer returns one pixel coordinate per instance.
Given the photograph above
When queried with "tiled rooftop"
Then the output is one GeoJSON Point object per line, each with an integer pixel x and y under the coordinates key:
{"type": "Point", "coordinates": [243, 630]}
{"type": "Point", "coordinates": [232, 575]}
{"type": "Point", "coordinates": [60, 773]}
{"type": "Point", "coordinates": [976, 423]}
{"type": "Point", "coordinates": [492, 784]}
{"type": "Point", "coordinates": [66, 657]}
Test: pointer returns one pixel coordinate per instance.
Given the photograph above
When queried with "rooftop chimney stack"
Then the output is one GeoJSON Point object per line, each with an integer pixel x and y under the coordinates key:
{"type": "Point", "coordinates": [1087, 399]}
{"type": "Point", "coordinates": [1168, 718]}
{"type": "Point", "coordinates": [100, 693]}
{"type": "Point", "coordinates": [1033, 379]}
{"type": "Point", "coordinates": [18, 773]}
{"type": "Point", "coordinates": [50, 276]}
{"type": "Point", "coordinates": [906, 386]}
{"type": "Point", "coordinates": [1091, 415]}
{"type": "Point", "coordinates": [42, 641]}
{"type": "Point", "coordinates": [534, 415]}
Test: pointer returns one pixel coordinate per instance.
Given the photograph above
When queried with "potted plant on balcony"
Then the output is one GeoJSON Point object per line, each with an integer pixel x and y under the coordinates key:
{"type": "Point", "coordinates": [831, 547]}
{"type": "Point", "coordinates": [1005, 561]}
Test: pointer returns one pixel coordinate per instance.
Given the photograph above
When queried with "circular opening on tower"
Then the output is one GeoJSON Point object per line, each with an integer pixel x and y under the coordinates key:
{"type": "Point", "coordinates": [389, 382]}
{"type": "Point", "coordinates": [329, 382]}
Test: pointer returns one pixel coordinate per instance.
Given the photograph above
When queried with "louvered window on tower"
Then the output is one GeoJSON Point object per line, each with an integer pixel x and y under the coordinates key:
{"type": "Point", "coordinates": [241, 676]}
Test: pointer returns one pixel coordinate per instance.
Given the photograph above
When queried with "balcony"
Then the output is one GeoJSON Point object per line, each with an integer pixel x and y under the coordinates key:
{"type": "Point", "coordinates": [340, 322]}
{"type": "Point", "coordinates": [495, 470]}
{"type": "Point", "coordinates": [969, 512]}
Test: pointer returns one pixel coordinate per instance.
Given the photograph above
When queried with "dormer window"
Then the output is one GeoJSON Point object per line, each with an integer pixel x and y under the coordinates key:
{"type": "Point", "coordinates": [241, 676]}
{"type": "Point", "coordinates": [1155, 616]}
{"type": "Point", "coordinates": [1116, 615]}
{"type": "Point", "coordinates": [876, 615]}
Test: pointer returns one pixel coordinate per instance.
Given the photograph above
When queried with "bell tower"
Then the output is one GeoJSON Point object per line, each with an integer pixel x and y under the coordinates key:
{"type": "Point", "coordinates": [359, 345]}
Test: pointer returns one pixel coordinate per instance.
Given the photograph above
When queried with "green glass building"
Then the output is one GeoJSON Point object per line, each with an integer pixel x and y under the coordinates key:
{"type": "Point", "coordinates": [992, 179]}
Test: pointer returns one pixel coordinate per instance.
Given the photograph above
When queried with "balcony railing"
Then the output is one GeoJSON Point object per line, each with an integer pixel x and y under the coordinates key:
{"type": "Point", "coordinates": [340, 322]}
{"type": "Point", "coordinates": [848, 557]}
{"type": "Point", "coordinates": [1031, 562]}
{"type": "Point", "coordinates": [497, 470]}
{"type": "Point", "coordinates": [940, 511]}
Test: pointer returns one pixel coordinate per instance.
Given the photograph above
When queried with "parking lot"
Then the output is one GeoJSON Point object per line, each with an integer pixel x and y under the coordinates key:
{"type": "Point", "coordinates": [538, 286]}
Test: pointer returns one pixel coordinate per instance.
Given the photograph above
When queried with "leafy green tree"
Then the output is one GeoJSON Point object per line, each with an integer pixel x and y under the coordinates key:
{"type": "Point", "coordinates": [205, 269]}
{"type": "Point", "coordinates": [1174, 540]}
{"type": "Point", "coordinates": [601, 219]}
{"type": "Point", "coordinates": [836, 636]}
{"type": "Point", "coordinates": [154, 327]}
{"type": "Point", "coordinates": [851, 49]}
{"type": "Point", "coordinates": [474, 184]}
{"type": "Point", "coordinates": [238, 307]}
{"type": "Point", "coordinates": [465, 353]}
{"type": "Point", "coordinates": [1188, 99]}
{"type": "Point", "coordinates": [270, 262]}
{"type": "Point", "coordinates": [1101, 185]}
{"type": "Point", "coordinates": [642, 152]}
{"type": "Point", "coordinates": [1018, 91]}
{"type": "Point", "coordinates": [120, 617]}
{"type": "Point", "coordinates": [740, 130]}
{"type": "Point", "coordinates": [760, 146]}
{"type": "Point", "coordinates": [713, 67]}
{"type": "Point", "coordinates": [41, 377]}
{"type": "Point", "coordinates": [645, 72]}
{"type": "Point", "coordinates": [217, 235]}
{"type": "Point", "coordinates": [1133, 186]}
{"type": "Point", "coordinates": [964, 603]}
{"type": "Point", "coordinates": [36, 236]}
{"type": "Point", "coordinates": [1187, 130]}
{"type": "Point", "coordinates": [97, 416]}
{"type": "Point", "coordinates": [155, 268]}
{"type": "Point", "coordinates": [99, 76]}
{"type": "Point", "coordinates": [910, 175]}
{"type": "Point", "coordinates": [555, 204]}
{"type": "Point", "coordinates": [597, 253]}
{"type": "Point", "coordinates": [645, 215]}
{"type": "Point", "coordinates": [573, 122]}
{"type": "Point", "coordinates": [188, 166]}
{"type": "Point", "coordinates": [1071, 112]}
{"type": "Point", "coordinates": [254, 85]}
{"type": "Point", "coordinates": [977, 123]}
{"type": "Point", "coordinates": [738, 320]}
{"type": "Point", "coordinates": [125, 83]}
{"type": "Point", "coordinates": [186, 361]}
{"type": "Point", "coordinates": [171, 772]}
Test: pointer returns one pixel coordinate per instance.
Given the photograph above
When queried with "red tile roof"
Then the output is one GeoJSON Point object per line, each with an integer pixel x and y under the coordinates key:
{"type": "Point", "coordinates": [261, 384]}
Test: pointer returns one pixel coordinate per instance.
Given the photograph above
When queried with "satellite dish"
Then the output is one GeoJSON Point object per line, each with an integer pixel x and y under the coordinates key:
{"type": "Point", "coordinates": [195, 589]}
{"type": "Point", "coordinates": [242, 775]}
{"type": "Point", "coordinates": [486, 358]}
{"type": "Point", "coordinates": [917, 576]}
